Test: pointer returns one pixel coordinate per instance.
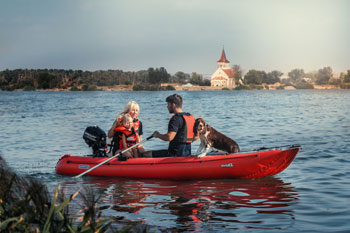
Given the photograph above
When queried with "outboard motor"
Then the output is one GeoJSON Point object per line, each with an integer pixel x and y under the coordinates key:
{"type": "Point", "coordinates": [95, 137]}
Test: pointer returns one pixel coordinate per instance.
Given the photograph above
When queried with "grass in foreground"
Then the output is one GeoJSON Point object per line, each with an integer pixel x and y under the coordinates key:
{"type": "Point", "coordinates": [26, 206]}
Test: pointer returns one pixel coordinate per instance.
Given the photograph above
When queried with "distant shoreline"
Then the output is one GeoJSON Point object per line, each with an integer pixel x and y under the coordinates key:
{"type": "Point", "coordinates": [155, 80]}
{"type": "Point", "coordinates": [179, 87]}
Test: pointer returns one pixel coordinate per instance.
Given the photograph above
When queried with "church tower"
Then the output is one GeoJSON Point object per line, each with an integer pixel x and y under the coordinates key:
{"type": "Point", "coordinates": [223, 62]}
{"type": "Point", "coordinates": [223, 77]}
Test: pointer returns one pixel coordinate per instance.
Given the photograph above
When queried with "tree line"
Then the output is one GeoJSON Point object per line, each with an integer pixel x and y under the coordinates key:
{"type": "Point", "coordinates": [31, 79]}
{"type": "Point", "coordinates": [296, 77]}
{"type": "Point", "coordinates": [151, 79]}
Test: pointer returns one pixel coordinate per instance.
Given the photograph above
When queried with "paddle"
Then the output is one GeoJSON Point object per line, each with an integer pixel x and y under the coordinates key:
{"type": "Point", "coordinates": [81, 174]}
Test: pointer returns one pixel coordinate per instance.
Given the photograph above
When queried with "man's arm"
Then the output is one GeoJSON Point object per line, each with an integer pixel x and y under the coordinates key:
{"type": "Point", "coordinates": [165, 137]}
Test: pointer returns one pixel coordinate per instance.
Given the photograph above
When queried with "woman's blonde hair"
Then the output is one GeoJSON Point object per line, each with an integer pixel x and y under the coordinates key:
{"type": "Point", "coordinates": [130, 106]}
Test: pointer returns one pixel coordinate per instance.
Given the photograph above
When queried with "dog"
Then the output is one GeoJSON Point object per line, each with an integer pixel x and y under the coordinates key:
{"type": "Point", "coordinates": [210, 137]}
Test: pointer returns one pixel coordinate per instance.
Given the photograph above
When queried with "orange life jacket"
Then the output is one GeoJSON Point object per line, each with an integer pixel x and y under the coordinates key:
{"type": "Point", "coordinates": [189, 128]}
{"type": "Point", "coordinates": [131, 137]}
{"type": "Point", "coordinates": [185, 135]}
{"type": "Point", "coordinates": [135, 123]}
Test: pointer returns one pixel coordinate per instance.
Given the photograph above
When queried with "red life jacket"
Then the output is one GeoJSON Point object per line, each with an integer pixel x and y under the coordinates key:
{"type": "Point", "coordinates": [131, 137]}
{"type": "Point", "coordinates": [136, 125]}
{"type": "Point", "coordinates": [185, 135]}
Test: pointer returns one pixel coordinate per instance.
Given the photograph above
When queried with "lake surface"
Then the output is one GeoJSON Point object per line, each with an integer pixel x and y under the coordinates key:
{"type": "Point", "coordinates": [311, 195]}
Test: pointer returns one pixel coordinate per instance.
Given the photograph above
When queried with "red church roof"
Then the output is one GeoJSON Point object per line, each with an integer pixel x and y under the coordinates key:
{"type": "Point", "coordinates": [230, 72]}
{"type": "Point", "coordinates": [223, 57]}
{"type": "Point", "coordinates": [219, 78]}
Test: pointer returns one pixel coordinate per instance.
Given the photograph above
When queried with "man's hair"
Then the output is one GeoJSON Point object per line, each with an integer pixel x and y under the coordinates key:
{"type": "Point", "coordinates": [175, 99]}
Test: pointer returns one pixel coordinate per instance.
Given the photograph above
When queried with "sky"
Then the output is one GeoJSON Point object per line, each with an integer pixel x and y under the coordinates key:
{"type": "Point", "coordinates": [179, 35]}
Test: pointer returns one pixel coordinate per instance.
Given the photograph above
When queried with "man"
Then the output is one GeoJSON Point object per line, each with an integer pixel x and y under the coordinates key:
{"type": "Point", "coordinates": [180, 130]}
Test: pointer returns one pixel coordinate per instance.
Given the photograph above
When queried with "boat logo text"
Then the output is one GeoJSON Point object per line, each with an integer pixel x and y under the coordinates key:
{"type": "Point", "coordinates": [84, 166]}
{"type": "Point", "coordinates": [227, 165]}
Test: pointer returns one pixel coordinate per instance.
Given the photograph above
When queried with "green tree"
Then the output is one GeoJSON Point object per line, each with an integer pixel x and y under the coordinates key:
{"type": "Point", "coordinates": [273, 77]}
{"type": "Point", "coordinates": [324, 75]}
{"type": "Point", "coordinates": [255, 77]}
{"type": "Point", "coordinates": [347, 77]}
{"type": "Point", "coordinates": [311, 77]}
{"type": "Point", "coordinates": [45, 81]}
{"type": "Point", "coordinates": [152, 76]}
{"type": "Point", "coordinates": [158, 75]}
{"type": "Point", "coordinates": [165, 76]}
{"type": "Point", "coordinates": [3, 81]}
{"type": "Point", "coordinates": [180, 77]}
{"type": "Point", "coordinates": [238, 73]}
{"type": "Point", "coordinates": [296, 75]}
{"type": "Point", "coordinates": [195, 79]}
{"type": "Point", "coordinates": [25, 81]}
{"type": "Point", "coordinates": [342, 76]}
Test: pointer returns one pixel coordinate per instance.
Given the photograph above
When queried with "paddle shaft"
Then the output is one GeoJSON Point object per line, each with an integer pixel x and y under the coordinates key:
{"type": "Point", "coordinates": [127, 149]}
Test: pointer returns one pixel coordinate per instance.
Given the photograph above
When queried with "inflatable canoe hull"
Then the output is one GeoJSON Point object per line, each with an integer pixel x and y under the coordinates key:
{"type": "Point", "coordinates": [240, 165]}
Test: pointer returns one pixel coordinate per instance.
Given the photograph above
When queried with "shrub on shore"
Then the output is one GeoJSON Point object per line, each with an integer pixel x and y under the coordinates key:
{"type": "Point", "coordinates": [170, 88]}
{"type": "Point", "coordinates": [302, 84]}
{"type": "Point", "coordinates": [242, 87]}
{"type": "Point", "coordinates": [152, 87]}
{"type": "Point", "coordinates": [28, 88]}
{"type": "Point", "coordinates": [87, 87]}
{"type": "Point", "coordinates": [74, 88]}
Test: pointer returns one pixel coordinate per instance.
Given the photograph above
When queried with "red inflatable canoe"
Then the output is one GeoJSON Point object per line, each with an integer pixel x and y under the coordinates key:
{"type": "Point", "coordinates": [240, 165]}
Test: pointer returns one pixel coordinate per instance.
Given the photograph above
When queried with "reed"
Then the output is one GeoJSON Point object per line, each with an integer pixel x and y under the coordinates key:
{"type": "Point", "coordinates": [26, 206]}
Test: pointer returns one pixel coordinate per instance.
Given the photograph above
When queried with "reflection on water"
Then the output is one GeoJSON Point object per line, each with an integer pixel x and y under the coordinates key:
{"type": "Point", "coordinates": [190, 205]}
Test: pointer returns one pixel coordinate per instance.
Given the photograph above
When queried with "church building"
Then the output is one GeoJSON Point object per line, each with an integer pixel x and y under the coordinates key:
{"type": "Point", "coordinates": [224, 75]}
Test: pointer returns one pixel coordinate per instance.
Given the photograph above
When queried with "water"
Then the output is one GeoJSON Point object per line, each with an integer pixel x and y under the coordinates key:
{"type": "Point", "coordinates": [312, 195]}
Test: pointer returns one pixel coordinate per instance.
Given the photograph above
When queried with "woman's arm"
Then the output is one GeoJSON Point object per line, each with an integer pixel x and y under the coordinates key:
{"type": "Point", "coordinates": [111, 131]}
{"type": "Point", "coordinates": [116, 123]}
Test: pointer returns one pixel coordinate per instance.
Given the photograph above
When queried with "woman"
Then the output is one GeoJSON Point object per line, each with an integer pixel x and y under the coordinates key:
{"type": "Point", "coordinates": [133, 109]}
